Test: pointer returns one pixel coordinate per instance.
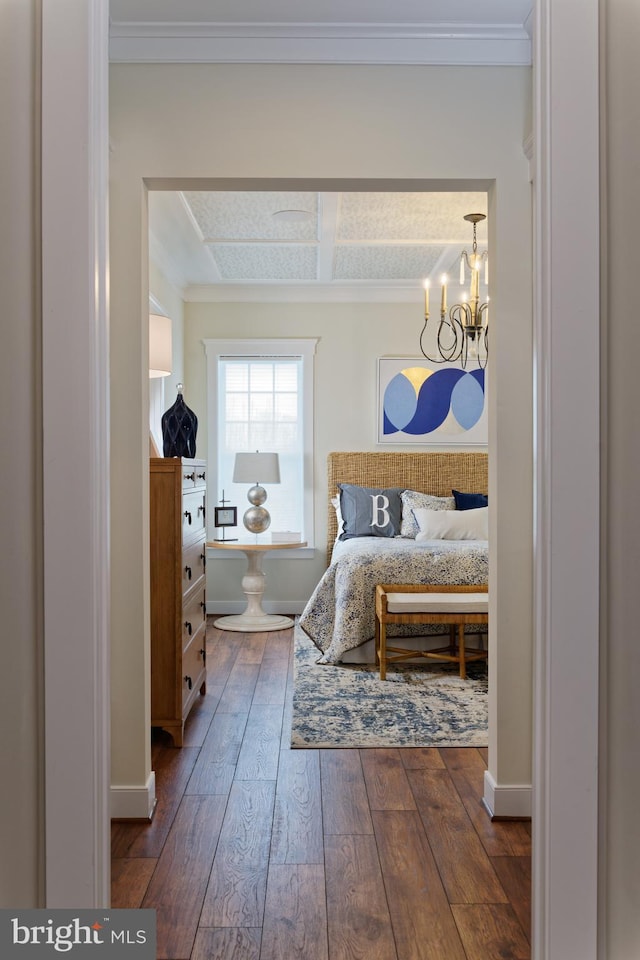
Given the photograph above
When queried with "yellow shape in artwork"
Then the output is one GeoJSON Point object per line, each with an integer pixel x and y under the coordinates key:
{"type": "Point", "coordinates": [417, 376]}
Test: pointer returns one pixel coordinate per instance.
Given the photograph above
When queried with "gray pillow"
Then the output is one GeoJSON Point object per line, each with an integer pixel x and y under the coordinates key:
{"type": "Point", "coordinates": [369, 512]}
{"type": "Point", "coordinates": [420, 501]}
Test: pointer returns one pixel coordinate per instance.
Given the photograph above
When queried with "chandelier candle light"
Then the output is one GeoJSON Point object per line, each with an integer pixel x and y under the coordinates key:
{"type": "Point", "coordinates": [464, 331]}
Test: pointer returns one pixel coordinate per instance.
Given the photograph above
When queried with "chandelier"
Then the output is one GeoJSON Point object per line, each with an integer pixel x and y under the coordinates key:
{"type": "Point", "coordinates": [463, 332]}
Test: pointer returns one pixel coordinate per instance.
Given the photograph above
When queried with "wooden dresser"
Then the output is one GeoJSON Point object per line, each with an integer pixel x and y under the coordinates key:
{"type": "Point", "coordinates": [178, 602]}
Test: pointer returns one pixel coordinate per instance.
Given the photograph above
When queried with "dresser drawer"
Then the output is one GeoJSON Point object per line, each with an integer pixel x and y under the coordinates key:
{"type": "Point", "coordinates": [193, 475]}
{"type": "Point", "coordinates": [194, 561]}
{"type": "Point", "coordinates": [201, 476]}
{"type": "Point", "coordinates": [188, 476]}
{"type": "Point", "coordinates": [194, 614]}
{"type": "Point", "coordinates": [193, 514]}
{"type": "Point", "coordinates": [193, 667]}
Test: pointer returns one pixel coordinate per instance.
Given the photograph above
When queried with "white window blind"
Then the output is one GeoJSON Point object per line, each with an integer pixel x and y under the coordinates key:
{"type": "Point", "coordinates": [260, 397]}
{"type": "Point", "coordinates": [260, 408]}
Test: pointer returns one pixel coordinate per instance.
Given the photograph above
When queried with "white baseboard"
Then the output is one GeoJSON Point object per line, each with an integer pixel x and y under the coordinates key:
{"type": "Point", "coordinates": [282, 607]}
{"type": "Point", "coordinates": [134, 803]}
{"type": "Point", "coordinates": [506, 800]}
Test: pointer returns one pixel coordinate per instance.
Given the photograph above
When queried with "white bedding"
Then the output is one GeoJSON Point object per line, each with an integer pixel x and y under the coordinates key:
{"type": "Point", "coordinates": [340, 614]}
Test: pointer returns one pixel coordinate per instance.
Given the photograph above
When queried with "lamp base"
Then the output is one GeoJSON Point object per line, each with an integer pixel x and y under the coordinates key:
{"type": "Point", "coordinates": [257, 519]}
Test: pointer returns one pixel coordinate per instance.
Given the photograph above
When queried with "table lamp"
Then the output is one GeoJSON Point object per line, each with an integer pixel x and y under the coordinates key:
{"type": "Point", "coordinates": [256, 468]}
{"type": "Point", "coordinates": [160, 346]}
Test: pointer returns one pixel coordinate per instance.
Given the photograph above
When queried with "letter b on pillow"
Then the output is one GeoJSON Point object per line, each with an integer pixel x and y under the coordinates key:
{"type": "Point", "coordinates": [380, 512]}
{"type": "Point", "coordinates": [367, 512]}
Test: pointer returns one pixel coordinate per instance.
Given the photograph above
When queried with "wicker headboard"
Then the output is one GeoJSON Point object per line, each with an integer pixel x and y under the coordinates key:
{"type": "Point", "coordinates": [436, 473]}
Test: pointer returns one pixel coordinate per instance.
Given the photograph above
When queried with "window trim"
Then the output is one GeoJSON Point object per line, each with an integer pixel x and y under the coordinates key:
{"type": "Point", "coordinates": [268, 347]}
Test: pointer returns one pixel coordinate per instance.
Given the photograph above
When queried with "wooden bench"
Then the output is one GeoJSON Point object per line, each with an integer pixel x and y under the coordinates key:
{"type": "Point", "coordinates": [455, 604]}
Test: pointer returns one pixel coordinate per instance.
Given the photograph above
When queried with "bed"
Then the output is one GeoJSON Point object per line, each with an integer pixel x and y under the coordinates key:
{"type": "Point", "coordinates": [340, 617]}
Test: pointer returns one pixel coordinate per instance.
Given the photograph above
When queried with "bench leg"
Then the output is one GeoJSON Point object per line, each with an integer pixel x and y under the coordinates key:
{"type": "Point", "coordinates": [381, 647]}
{"type": "Point", "coordinates": [461, 652]}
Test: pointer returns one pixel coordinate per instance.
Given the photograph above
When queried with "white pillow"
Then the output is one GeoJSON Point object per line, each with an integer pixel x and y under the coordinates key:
{"type": "Point", "coordinates": [453, 524]}
{"type": "Point", "coordinates": [335, 503]}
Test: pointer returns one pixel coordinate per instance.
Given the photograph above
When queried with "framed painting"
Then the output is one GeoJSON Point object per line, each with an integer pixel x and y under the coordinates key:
{"type": "Point", "coordinates": [424, 402]}
{"type": "Point", "coordinates": [225, 517]}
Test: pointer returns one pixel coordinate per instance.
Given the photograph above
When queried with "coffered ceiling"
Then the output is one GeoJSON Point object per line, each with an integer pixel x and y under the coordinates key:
{"type": "Point", "coordinates": [345, 241]}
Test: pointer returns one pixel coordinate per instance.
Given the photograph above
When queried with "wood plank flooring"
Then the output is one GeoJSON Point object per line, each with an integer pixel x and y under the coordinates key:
{"type": "Point", "coordinates": [260, 852]}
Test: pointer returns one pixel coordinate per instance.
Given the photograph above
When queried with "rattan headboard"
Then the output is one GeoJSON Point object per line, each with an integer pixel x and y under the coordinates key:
{"type": "Point", "coordinates": [436, 473]}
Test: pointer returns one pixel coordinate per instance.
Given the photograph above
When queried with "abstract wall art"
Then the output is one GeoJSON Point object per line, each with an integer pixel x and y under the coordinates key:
{"type": "Point", "coordinates": [423, 402]}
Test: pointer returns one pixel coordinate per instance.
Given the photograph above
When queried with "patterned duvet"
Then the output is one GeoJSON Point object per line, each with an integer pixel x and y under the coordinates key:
{"type": "Point", "coordinates": [340, 614]}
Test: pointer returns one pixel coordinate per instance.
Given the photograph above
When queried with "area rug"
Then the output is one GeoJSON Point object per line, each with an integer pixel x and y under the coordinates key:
{"type": "Point", "coordinates": [347, 705]}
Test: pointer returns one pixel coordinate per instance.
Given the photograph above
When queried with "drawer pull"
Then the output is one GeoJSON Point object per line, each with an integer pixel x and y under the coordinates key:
{"type": "Point", "coordinates": [203, 510]}
{"type": "Point", "coordinates": [201, 476]}
{"type": "Point", "coordinates": [187, 514]}
{"type": "Point", "coordinates": [188, 627]}
{"type": "Point", "coordinates": [189, 682]}
{"type": "Point", "coordinates": [203, 557]}
{"type": "Point", "coordinates": [203, 654]}
{"type": "Point", "coordinates": [187, 570]}
{"type": "Point", "coordinates": [190, 476]}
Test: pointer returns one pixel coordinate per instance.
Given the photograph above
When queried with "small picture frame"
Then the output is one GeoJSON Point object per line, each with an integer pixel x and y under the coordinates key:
{"type": "Point", "coordinates": [225, 517]}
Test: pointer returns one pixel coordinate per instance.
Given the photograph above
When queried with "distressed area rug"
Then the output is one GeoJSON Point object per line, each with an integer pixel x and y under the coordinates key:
{"type": "Point", "coordinates": [416, 706]}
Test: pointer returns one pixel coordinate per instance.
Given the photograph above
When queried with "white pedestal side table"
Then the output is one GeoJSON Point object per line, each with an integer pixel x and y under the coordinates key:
{"type": "Point", "coordinates": [254, 618]}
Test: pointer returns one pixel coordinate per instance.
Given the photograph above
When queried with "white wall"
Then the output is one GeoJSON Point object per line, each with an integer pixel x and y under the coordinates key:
{"type": "Point", "coordinates": [52, 271]}
{"type": "Point", "coordinates": [21, 825]}
{"type": "Point", "coordinates": [620, 751]}
{"type": "Point", "coordinates": [273, 125]}
{"type": "Point", "coordinates": [167, 299]}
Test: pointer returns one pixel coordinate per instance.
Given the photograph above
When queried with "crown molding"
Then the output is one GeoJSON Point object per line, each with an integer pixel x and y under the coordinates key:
{"type": "Point", "coordinates": [467, 44]}
{"type": "Point", "coordinates": [354, 292]}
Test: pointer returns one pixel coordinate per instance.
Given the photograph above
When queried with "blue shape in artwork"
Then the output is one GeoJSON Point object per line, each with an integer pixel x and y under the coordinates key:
{"type": "Point", "coordinates": [399, 402]}
{"type": "Point", "coordinates": [434, 401]}
{"type": "Point", "coordinates": [467, 401]}
{"type": "Point", "coordinates": [479, 376]}
{"type": "Point", "coordinates": [387, 426]}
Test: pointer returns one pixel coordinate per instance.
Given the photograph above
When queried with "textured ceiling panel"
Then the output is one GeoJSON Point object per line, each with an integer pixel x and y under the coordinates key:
{"type": "Point", "coordinates": [258, 261]}
{"type": "Point", "coordinates": [380, 262]}
{"type": "Point", "coordinates": [358, 237]}
{"type": "Point", "coordinates": [426, 217]}
{"type": "Point", "coordinates": [233, 215]}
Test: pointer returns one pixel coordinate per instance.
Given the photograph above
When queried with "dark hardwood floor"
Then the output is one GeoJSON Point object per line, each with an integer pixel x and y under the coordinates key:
{"type": "Point", "coordinates": [260, 852]}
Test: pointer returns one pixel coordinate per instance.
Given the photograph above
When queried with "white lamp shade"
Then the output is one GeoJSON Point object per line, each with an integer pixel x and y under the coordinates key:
{"type": "Point", "coordinates": [160, 347]}
{"type": "Point", "coordinates": [256, 468]}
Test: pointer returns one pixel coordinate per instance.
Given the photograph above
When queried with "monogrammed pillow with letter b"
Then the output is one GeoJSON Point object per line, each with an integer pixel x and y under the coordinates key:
{"type": "Point", "coordinates": [367, 512]}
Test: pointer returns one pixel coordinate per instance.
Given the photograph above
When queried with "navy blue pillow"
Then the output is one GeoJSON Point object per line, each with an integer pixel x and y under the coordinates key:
{"type": "Point", "coordinates": [470, 501]}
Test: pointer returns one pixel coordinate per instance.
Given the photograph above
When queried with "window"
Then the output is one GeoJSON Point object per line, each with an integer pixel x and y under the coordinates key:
{"type": "Point", "coordinates": [260, 395]}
